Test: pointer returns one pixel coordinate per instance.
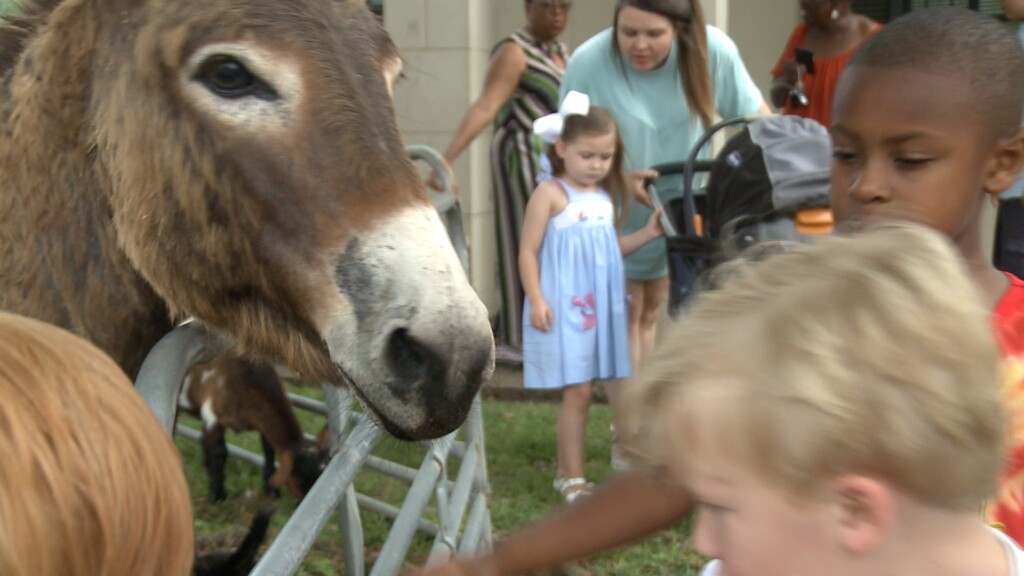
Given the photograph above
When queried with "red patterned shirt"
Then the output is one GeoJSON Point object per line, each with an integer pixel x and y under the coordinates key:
{"type": "Point", "coordinates": [1007, 508]}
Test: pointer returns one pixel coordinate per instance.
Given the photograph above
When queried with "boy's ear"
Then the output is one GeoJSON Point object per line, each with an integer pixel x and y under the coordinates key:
{"type": "Point", "coordinates": [1004, 163]}
{"type": "Point", "coordinates": [865, 509]}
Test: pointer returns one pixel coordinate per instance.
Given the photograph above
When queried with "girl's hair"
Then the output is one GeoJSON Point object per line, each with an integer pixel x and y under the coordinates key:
{"type": "Point", "coordinates": [598, 122]}
{"type": "Point", "coordinates": [90, 484]}
{"type": "Point", "coordinates": [845, 356]}
{"type": "Point", "coordinates": [687, 19]}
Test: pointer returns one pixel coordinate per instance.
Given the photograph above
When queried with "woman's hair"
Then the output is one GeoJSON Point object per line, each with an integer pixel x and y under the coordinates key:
{"type": "Point", "coordinates": [90, 484]}
{"type": "Point", "coordinates": [598, 122]}
{"type": "Point", "coordinates": [853, 355]}
{"type": "Point", "coordinates": [687, 19]}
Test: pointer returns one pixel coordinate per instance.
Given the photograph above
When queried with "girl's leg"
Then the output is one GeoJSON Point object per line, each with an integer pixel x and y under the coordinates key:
{"type": "Point", "coordinates": [571, 429]}
{"type": "Point", "coordinates": [655, 292]}
{"type": "Point", "coordinates": [635, 289]}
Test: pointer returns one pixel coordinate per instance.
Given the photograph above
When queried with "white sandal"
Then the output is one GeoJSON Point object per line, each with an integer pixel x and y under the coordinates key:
{"type": "Point", "coordinates": [572, 488]}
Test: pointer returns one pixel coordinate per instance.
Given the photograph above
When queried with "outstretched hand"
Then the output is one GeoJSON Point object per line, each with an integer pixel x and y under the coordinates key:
{"type": "Point", "coordinates": [639, 190]}
{"type": "Point", "coordinates": [459, 567]}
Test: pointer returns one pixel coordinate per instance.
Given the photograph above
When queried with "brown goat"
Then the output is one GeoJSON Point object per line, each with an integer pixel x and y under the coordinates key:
{"type": "Point", "coordinates": [237, 161]}
{"type": "Point", "coordinates": [241, 394]}
{"type": "Point", "coordinates": [90, 484]}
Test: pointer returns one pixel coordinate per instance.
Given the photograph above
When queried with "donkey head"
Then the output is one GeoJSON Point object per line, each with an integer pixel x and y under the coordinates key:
{"type": "Point", "coordinates": [258, 182]}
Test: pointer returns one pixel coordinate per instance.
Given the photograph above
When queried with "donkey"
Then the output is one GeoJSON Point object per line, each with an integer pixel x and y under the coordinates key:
{"type": "Point", "coordinates": [237, 161]}
{"type": "Point", "coordinates": [235, 392]}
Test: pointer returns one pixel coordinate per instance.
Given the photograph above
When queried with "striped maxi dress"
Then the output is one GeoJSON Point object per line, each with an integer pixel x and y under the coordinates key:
{"type": "Point", "coordinates": [515, 162]}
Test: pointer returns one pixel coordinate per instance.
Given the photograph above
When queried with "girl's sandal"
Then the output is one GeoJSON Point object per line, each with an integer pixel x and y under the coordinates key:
{"type": "Point", "coordinates": [572, 488]}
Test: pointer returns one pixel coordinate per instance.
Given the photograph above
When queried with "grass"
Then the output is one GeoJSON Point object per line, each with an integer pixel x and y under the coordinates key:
{"type": "Point", "coordinates": [521, 463]}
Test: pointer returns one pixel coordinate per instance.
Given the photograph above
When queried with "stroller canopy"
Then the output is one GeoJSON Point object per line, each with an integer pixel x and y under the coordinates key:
{"type": "Point", "coordinates": [775, 166]}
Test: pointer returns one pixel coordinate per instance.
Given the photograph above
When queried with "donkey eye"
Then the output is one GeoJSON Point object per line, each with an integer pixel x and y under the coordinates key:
{"type": "Point", "coordinates": [228, 78]}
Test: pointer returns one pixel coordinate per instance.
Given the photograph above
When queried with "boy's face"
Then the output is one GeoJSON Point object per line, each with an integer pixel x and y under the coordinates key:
{"type": "Point", "coordinates": [907, 146]}
{"type": "Point", "coordinates": [756, 529]}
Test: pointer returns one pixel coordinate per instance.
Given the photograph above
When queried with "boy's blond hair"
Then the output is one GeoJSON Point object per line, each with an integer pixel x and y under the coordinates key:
{"type": "Point", "coordinates": [869, 355]}
{"type": "Point", "coordinates": [90, 484]}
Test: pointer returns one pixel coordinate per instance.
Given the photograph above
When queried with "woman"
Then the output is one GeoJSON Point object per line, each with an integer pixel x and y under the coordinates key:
{"type": "Point", "coordinates": [664, 74]}
{"type": "Point", "coordinates": [521, 85]}
{"type": "Point", "coordinates": [830, 32]}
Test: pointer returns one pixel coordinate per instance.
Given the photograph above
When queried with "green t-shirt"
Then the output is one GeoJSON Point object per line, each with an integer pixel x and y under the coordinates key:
{"type": "Point", "coordinates": [653, 115]}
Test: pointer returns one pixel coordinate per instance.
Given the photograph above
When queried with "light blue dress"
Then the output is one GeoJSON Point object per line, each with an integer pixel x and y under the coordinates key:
{"type": "Point", "coordinates": [584, 284]}
{"type": "Point", "coordinates": [654, 118]}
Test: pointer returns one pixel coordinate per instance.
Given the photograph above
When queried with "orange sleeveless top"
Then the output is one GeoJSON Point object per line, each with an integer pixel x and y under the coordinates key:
{"type": "Point", "coordinates": [818, 87]}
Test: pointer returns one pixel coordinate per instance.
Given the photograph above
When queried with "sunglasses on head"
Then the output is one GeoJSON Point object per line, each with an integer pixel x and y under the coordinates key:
{"type": "Point", "coordinates": [551, 5]}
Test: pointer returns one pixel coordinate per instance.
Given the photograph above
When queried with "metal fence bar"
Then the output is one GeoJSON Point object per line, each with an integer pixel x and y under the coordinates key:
{"type": "Point", "coordinates": [352, 533]}
{"type": "Point", "coordinates": [161, 373]}
{"type": "Point", "coordinates": [384, 509]}
{"type": "Point", "coordinates": [297, 537]}
{"type": "Point", "coordinates": [400, 537]}
{"type": "Point", "coordinates": [477, 526]}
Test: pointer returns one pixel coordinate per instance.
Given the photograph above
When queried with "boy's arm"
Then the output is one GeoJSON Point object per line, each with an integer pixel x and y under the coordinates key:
{"type": "Point", "coordinates": [624, 509]}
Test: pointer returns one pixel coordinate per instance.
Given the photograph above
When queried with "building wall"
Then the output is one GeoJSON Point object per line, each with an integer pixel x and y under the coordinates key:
{"type": "Point", "coordinates": [446, 44]}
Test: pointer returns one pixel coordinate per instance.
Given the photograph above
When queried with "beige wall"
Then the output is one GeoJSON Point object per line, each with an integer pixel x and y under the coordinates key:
{"type": "Point", "coordinates": [446, 45]}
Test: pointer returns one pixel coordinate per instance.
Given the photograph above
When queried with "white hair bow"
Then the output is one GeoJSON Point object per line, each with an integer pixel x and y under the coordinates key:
{"type": "Point", "coordinates": [549, 128]}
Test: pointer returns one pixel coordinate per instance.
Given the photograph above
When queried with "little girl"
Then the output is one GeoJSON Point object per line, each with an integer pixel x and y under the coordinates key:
{"type": "Point", "coordinates": [570, 261]}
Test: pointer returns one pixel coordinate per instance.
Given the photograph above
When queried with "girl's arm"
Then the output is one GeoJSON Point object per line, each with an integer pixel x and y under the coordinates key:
{"type": "Point", "coordinates": [503, 75]}
{"type": "Point", "coordinates": [651, 231]}
{"type": "Point", "coordinates": [535, 222]}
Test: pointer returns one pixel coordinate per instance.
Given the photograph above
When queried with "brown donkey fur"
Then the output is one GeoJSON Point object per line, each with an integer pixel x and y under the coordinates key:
{"type": "Point", "coordinates": [90, 484]}
{"type": "Point", "coordinates": [241, 394]}
{"type": "Point", "coordinates": [237, 161]}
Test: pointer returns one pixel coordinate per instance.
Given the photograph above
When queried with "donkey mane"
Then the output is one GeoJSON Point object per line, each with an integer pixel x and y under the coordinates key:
{"type": "Point", "coordinates": [17, 30]}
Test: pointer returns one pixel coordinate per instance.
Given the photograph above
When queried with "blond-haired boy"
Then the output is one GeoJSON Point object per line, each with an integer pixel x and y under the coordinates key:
{"type": "Point", "coordinates": [859, 430]}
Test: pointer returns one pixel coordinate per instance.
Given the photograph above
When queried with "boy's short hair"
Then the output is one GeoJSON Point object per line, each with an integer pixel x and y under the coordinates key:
{"type": "Point", "coordinates": [958, 43]}
{"type": "Point", "coordinates": [868, 355]}
{"type": "Point", "coordinates": [90, 484]}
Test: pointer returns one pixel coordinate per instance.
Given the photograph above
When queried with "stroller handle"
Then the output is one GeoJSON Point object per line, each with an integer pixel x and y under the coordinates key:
{"type": "Point", "coordinates": [691, 165]}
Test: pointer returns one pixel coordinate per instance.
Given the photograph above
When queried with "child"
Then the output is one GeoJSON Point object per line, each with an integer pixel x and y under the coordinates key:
{"type": "Point", "coordinates": [1008, 249]}
{"type": "Point", "coordinates": [861, 426]}
{"type": "Point", "coordinates": [935, 150]}
{"type": "Point", "coordinates": [570, 261]}
{"type": "Point", "coordinates": [90, 483]}
{"type": "Point", "coordinates": [925, 124]}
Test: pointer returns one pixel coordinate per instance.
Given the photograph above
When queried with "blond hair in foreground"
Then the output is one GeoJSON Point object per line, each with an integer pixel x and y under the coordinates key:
{"type": "Point", "coordinates": [90, 485]}
{"type": "Point", "coordinates": [868, 355]}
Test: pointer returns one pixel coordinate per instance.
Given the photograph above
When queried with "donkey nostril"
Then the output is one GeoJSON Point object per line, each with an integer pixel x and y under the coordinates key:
{"type": "Point", "coordinates": [412, 361]}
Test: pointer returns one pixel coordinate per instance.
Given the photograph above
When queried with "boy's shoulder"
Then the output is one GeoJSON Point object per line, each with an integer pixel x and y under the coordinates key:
{"type": "Point", "coordinates": [1014, 553]}
{"type": "Point", "coordinates": [1009, 318]}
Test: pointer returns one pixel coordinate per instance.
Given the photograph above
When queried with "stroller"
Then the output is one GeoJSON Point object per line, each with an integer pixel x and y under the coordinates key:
{"type": "Point", "coordinates": [769, 182]}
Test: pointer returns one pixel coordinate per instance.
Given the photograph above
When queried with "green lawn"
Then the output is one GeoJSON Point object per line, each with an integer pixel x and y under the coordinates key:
{"type": "Point", "coordinates": [521, 460]}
